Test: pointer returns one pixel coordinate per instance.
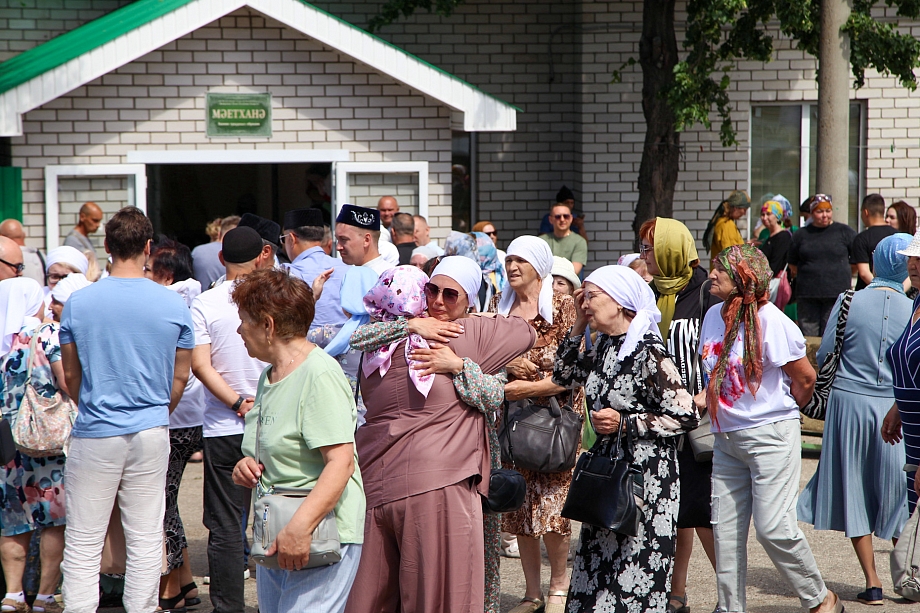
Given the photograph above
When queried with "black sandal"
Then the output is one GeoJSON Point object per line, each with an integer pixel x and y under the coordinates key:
{"type": "Point", "coordinates": [168, 605]}
{"type": "Point", "coordinates": [194, 600]}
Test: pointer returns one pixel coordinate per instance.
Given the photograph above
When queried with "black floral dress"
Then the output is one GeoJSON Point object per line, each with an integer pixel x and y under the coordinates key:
{"type": "Point", "coordinates": [613, 573]}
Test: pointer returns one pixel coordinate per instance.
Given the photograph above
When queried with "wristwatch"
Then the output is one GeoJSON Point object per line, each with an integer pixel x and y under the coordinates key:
{"type": "Point", "coordinates": [239, 402]}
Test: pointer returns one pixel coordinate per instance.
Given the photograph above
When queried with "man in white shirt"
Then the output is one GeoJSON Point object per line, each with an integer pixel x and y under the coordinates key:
{"type": "Point", "coordinates": [230, 377]}
{"type": "Point", "coordinates": [387, 207]}
{"type": "Point", "coordinates": [357, 231]}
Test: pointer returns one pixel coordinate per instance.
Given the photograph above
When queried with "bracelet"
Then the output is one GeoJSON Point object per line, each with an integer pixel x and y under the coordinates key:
{"type": "Point", "coordinates": [236, 405]}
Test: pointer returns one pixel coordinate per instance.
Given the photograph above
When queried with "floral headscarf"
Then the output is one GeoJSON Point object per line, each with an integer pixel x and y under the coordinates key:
{"type": "Point", "coordinates": [488, 258]}
{"type": "Point", "coordinates": [750, 270]}
{"type": "Point", "coordinates": [460, 243]}
{"type": "Point", "coordinates": [820, 201]}
{"type": "Point", "coordinates": [775, 207]}
{"type": "Point", "coordinates": [399, 292]}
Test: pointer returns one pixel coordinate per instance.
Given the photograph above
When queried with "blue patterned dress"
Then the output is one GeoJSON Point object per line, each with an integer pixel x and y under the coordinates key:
{"type": "Point", "coordinates": [904, 357]}
{"type": "Point", "coordinates": [33, 488]}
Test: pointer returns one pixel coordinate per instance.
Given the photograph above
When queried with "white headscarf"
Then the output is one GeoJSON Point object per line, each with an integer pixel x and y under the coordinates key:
{"type": "Point", "coordinates": [188, 289]}
{"type": "Point", "coordinates": [67, 255]}
{"type": "Point", "coordinates": [465, 272]}
{"type": "Point", "coordinates": [630, 290]}
{"type": "Point", "coordinates": [537, 253]}
{"type": "Point", "coordinates": [20, 300]}
{"type": "Point", "coordinates": [626, 260]}
{"type": "Point", "coordinates": [68, 285]}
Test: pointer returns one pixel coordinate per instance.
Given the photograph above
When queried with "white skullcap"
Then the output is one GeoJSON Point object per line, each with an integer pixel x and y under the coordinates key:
{"type": "Point", "coordinates": [389, 252]}
{"type": "Point", "coordinates": [537, 253]}
{"type": "Point", "coordinates": [67, 255]}
{"type": "Point", "coordinates": [465, 272]}
{"type": "Point", "coordinates": [631, 292]}
{"type": "Point", "coordinates": [68, 285]}
{"type": "Point", "coordinates": [20, 300]}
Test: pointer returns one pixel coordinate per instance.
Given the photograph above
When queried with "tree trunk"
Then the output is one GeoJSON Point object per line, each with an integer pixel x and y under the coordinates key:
{"type": "Point", "coordinates": [661, 153]}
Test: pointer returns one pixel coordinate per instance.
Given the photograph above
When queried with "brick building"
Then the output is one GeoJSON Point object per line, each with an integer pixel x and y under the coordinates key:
{"type": "Point", "coordinates": [552, 60]}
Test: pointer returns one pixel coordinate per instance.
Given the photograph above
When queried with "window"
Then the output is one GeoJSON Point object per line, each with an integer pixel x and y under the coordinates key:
{"type": "Point", "coordinates": [783, 162]}
{"type": "Point", "coordinates": [463, 185]}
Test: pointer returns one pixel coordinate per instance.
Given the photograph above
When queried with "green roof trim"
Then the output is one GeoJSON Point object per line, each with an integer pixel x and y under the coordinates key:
{"type": "Point", "coordinates": [71, 45]}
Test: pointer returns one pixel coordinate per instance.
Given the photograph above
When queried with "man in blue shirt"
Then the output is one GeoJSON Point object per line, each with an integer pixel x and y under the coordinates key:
{"type": "Point", "coordinates": [126, 347]}
{"type": "Point", "coordinates": [302, 237]}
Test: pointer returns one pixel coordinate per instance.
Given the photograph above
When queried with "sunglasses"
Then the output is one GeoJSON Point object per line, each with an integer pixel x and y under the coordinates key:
{"type": "Point", "coordinates": [492, 233]}
{"type": "Point", "coordinates": [451, 296]}
{"type": "Point", "coordinates": [563, 216]}
{"type": "Point", "coordinates": [17, 267]}
{"type": "Point", "coordinates": [55, 278]}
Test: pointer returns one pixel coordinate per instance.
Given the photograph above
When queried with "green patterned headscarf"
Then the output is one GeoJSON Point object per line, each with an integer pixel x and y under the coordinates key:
{"type": "Point", "coordinates": [750, 270]}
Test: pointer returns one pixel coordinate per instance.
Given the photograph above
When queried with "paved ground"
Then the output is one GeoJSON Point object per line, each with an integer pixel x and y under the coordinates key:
{"type": "Point", "coordinates": [766, 592]}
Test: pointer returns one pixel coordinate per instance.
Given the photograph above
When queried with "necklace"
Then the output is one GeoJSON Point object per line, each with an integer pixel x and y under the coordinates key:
{"type": "Point", "coordinates": [286, 366]}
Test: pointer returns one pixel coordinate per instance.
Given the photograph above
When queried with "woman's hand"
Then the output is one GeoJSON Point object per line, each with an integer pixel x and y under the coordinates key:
{"type": "Point", "coordinates": [438, 359]}
{"type": "Point", "coordinates": [319, 282]}
{"type": "Point", "coordinates": [891, 426]}
{"type": "Point", "coordinates": [700, 402]}
{"type": "Point", "coordinates": [247, 472]}
{"type": "Point", "coordinates": [432, 329]}
{"type": "Point", "coordinates": [292, 545]}
{"type": "Point", "coordinates": [522, 368]}
{"type": "Point", "coordinates": [518, 390]}
{"type": "Point", "coordinates": [581, 319]}
{"type": "Point", "coordinates": [605, 421]}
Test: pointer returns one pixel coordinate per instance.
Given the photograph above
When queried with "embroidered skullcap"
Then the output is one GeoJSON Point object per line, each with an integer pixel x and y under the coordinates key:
{"type": "Point", "coordinates": [359, 217]}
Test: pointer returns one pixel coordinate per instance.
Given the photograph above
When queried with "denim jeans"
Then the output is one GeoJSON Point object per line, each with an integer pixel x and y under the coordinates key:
{"type": "Point", "coordinates": [225, 504]}
{"type": "Point", "coordinates": [755, 473]}
{"type": "Point", "coordinates": [129, 470]}
{"type": "Point", "coordinates": [323, 589]}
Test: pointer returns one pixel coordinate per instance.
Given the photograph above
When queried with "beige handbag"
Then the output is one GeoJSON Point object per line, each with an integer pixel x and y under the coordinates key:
{"type": "Point", "coordinates": [43, 425]}
{"type": "Point", "coordinates": [272, 510]}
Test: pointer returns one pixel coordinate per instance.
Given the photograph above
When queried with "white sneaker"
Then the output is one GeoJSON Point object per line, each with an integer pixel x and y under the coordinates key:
{"type": "Point", "coordinates": [206, 580]}
{"type": "Point", "coordinates": [511, 551]}
{"type": "Point", "coordinates": [246, 574]}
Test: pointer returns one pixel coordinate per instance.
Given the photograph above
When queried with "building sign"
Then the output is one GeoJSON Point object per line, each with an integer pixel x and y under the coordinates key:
{"type": "Point", "coordinates": [239, 115]}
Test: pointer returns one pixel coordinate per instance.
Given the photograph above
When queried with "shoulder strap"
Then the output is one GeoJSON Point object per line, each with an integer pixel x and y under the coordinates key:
{"type": "Point", "coordinates": [695, 359]}
{"type": "Point", "coordinates": [32, 347]}
{"type": "Point", "coordinates": [842, 316]}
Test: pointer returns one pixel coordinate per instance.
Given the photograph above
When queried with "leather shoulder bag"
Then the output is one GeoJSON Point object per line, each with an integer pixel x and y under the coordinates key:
{"type": "Point", "coordinates": [607, 490]}
{"type": "Point", "coordinates": [272, 510]}
{"type": "Point", "coordinates": [540, 438]}
{"type": "Point", "coordinates": [816, 408]}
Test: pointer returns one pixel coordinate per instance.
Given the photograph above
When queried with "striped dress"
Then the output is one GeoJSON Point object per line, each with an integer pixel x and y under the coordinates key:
{"type": "Point", "coordinates": [904, 357]}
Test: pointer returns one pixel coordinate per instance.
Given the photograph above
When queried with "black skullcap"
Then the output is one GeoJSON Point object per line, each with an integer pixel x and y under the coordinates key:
{"type": "Point", "coordinates": [359, 217]}
{"type": "Point", "coordinates": [564, 194]}
{"type": "Point", "coordinates": [300, 218]}
{"type": "Point", "coordinates": [267, 229]}
{"type": "Point", "coordinates": [241, 244]}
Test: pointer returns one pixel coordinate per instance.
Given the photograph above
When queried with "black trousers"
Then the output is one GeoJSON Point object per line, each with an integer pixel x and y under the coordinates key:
{"type": "Point", "coordinates": [813, 314]}
{"type": "Point", "coordinates": [224, 506]}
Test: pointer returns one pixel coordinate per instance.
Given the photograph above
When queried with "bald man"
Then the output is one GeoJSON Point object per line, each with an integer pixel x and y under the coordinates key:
{"type": "Point", "coordinates": [89, 222]}
{"type": "Point", "coordinates": [387, 206]}
{"type": "Point", "coordinates": [10, 259]}
{"type": "Point", "coordinates": [32, 258]}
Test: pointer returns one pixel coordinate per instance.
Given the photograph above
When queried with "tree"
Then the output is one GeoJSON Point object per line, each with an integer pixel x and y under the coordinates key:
{"type": "Point", "coordinates": [677, 95]}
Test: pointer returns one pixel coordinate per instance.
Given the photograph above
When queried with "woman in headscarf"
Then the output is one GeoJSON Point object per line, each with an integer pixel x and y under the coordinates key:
{"type": "Point", "coordinates": [680, 286]}
{"type": "Point", "coordinates": [860, 487]}
{"type": "Point", "coordinates": [629, 376]}
{"type": "Point", "coordinates": [722, 231]}
{"type": "Point", "coordinates": [779, 240]}
{"type": "Point", "coordinates": [485, 392]}
{"type": "Point", "coordinates": [64, 290]}
{"type": "Point", "coordinates": [758, 378]}
{"type": "Point", "coordinates": [461, 243]}
{"type": "Point", "coordinates": [59, 263]}
{"type": "Point", "coordinates": [493, 270]}
{"type": "Point", "coordinates": [32, 493]}
{"type": "Point", "coordinates": [529, 294]}
{"type": "Point", "coordinates": [424, 448]}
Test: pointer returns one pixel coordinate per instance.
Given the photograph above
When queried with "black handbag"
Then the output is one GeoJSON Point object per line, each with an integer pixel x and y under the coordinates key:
{"type": "Point", "coordinates": [816, 408]}
{"type": "Point", "coordinates": [506, 491]}
{"type": "Point", "coordinates": [607, 489]}
{"type": "Point", "coordinates": [543, 439]}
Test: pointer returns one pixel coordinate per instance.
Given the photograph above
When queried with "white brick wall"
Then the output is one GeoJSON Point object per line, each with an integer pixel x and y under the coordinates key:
{"type": "Point", "coordinates": [321, 100]}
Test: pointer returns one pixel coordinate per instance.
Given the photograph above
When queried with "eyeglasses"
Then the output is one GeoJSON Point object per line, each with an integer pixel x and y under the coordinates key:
{"type": "Point", "coordinates": [561, 217]}
{"type": "Point", "coordinates": [17, 267]}
{"type": "Point", "coordinates": [589, 296]}
{"type": "Point", "coordinates": [451, 296]}
{"type": "Point", "coordinates": [643, 249]}
{"type": "Point", "coordinates": [55, 277]}
{"type": "Point", "coordinates": [284, 236]}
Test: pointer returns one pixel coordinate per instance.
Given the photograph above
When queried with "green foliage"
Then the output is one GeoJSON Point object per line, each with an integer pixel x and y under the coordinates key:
{"type": "Point", "coordinates": [721, 32]}
{"type": "Point", "coordinates": [396, 9]}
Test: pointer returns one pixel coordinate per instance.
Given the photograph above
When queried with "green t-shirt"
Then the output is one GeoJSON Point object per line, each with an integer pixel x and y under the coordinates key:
{"type": "Point", "coordinates": [573, 247]}
{"type": "Point", "coordinates": [312, 407]}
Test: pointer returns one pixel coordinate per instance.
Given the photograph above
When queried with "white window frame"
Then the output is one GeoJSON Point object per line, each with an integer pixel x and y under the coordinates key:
{"type": "Point", "coordinates": [341, 171]}
{"type": "Point", "coordinates": [137, 190]}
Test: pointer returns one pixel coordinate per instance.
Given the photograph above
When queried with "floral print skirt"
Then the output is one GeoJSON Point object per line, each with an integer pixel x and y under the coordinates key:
{"type": "Point", "coordinates": [33, 494]}
{"type": "Point", "coordinates": [613, 573]}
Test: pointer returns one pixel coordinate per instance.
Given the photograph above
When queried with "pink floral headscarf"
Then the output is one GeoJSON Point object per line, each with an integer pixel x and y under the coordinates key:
{"type": "Point", "coordinates": [399, 292]}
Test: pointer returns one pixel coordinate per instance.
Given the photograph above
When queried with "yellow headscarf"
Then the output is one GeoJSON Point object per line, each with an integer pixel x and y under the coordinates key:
{"type": "Point", "coordinates": [674, 250]}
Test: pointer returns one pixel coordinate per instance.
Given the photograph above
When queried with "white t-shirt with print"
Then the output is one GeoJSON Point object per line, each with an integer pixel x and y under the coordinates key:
{"type": "Point", "coordinates": [782, 343]}
{"type": "Point", "coordinates": [216, 320]}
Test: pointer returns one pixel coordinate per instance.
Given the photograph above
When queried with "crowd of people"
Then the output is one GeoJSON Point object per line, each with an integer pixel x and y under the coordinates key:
{"type": "Point", "coordinates": [370, 389]}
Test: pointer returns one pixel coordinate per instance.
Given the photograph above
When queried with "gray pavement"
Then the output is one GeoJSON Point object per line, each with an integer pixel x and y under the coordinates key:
{"type": "Point", "coordinates": [766, 591]}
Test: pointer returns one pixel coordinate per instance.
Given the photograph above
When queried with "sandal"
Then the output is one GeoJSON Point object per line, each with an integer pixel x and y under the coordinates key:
{"type": "Point", "coordinates": [168, 605]}
{"type": "Point", "coordinates": [555, 607]}
{"type": "Point", "coordinates": [190, 601]}
{"type": "Point", "coordinates": [682, 600]}
{"type": "Point", "coordinates": [530, 605]}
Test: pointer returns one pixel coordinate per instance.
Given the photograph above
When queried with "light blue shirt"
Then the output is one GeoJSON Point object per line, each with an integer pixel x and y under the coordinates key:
{"type": "Point", "coordinates": [307, 266]}
{"type": "Point", "coordinates": [126, 333]}
{"type": "Point", "coordinates": [206, 263]}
